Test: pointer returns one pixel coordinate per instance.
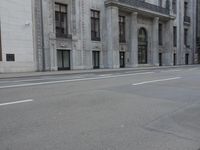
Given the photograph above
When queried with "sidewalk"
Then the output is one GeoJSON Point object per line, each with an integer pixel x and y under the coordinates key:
{"type": "Point", "coordinates": [71, 72]}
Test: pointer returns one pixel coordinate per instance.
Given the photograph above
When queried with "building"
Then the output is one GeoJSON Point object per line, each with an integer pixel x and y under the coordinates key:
{"type": "Point", "coordinates": [17, 53]}
{"type": "Point", "coordinates": [92, 34]}
{"type": "Point", "coordinates": [198, 30]}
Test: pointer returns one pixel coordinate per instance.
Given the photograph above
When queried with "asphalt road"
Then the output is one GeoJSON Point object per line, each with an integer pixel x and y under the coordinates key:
{"type": "Point", "coordinates": [146, 110]}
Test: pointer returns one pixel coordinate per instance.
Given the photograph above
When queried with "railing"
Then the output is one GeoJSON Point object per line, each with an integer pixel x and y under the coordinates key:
{"type": "Point", "coordinates": [145, 5]}
{"type": "Point", "coordinates": [187, 19]}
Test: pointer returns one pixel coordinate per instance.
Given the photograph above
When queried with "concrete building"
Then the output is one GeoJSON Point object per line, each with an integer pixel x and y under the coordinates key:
{"type": "Point", "coordinates": [91, 34]}
{"type": "Point", "coordinates": [198, 30]}
{"type": "Point", "coordinates": [16, 36]}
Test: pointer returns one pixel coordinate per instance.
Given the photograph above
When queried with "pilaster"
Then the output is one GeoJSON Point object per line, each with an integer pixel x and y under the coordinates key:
{"type": "Point", "coordinates": [112, 19]}
{"type": "Point", "coordinates": [134, 40]}
{"type": "Point", "coordinates": [155, 47]}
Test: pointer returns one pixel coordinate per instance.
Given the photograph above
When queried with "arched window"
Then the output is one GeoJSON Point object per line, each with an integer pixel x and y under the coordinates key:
{"type": "Point", "coordinates": [142, 46]}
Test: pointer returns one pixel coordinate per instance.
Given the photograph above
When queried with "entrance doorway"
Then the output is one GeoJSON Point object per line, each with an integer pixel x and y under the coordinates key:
{"type": "Point", "coordinates": [96, 59]}
{"type": "Point", "coordinates": [142, 46]}
{"type": "Point", "coordinates": [122, 59]}
{"type": "Point", "coordinates": [63, 59]}
{"type": "Point", "coordinates": [160, 59]}
{"type": "Point", "coordinates": [174, 59]}
{"type": "Point", "coordinates": [187, 59]}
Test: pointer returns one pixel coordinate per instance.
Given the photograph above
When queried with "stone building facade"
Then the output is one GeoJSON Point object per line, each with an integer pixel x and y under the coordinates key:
{"type": "Point", "coordinates": [92, 34]}
{"type": "Point", "coordinates": [17, 53]}
{"type": "Point", "coordinates": [198, 30]}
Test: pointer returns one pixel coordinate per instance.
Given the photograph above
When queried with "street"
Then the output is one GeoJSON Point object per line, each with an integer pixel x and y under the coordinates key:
{"type": "Point", "coordinates": [130, 110]}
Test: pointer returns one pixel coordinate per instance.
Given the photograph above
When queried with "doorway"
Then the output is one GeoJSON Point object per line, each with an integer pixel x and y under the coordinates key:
{"type": "Point", "coordinates": [122, 59]}
{"type": "Point", "coordinates": [96, 59]}
{"type": "Point", "coordinates": [160, 59]}
{"type": "Point", "coordinates": [63, 59]}
{"type": "Point", "coordinates": [187, 59]}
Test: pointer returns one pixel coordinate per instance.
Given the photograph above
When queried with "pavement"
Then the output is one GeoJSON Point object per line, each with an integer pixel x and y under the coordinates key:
{"type": "Point", "coordinates": [146, 109]}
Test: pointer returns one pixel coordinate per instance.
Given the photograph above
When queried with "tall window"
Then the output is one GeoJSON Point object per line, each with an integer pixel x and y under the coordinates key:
{"type": "Point", "coordinates": [122, 29]}
{"type": "Point", "coordinates": [174, 5]}
{"type": "Point", "coordinates": [185, 8]}
{"type": "Point", "coordinates": [160, 3]}
{"type": "Point", "coordinates": [160, 34]}
{"type": "Point", "coordinates": [95, 25]}
{"type": "Point", "coordinates": [61, 20]}
{"type": "Point", "coordinates": [175, 36]}
{"type": "Point", "coordinates": [186, 37]}
{"type": "Point", "coordinates": [0, 44]}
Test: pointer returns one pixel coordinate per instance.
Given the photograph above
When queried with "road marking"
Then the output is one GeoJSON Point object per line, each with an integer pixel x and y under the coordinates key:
{"type": "Point", "coordinates": [154, 81]}
{"type": "Point", "coordinates": [171, 70]}
{"type": "Point", "coordinates": [30, 80]}
{"type": "Point", "coordinates": [73, 80]}
{"type": "Point", "coordinates": [104, 75]}
{"type": "Point", "coordinates": [16, 102]}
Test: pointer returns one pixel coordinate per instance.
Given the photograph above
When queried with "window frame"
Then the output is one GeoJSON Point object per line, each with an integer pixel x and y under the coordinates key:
{"type": "Point", "coordinates": [95, 25]}
{"type": "Point", "coordinates": [1, 59]}
{"type": "Point", "coordinates": [175, 36]}
{"type": "Point", "coordinates": [186, 37]}
{"type": "Point", "coordinates": [160, 34]}
{"type": "Point", "coordinates": [59, 34]}
{"type": "Point", "coordinates": [122, 29]}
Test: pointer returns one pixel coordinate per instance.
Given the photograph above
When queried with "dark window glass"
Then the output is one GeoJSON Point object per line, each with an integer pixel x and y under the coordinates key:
{"type": "Point", "coordinates": [0, 44]}
{"type": "Point", "coordinates": [61, 20]}
{"type": "Point", "coordinates": [185, 8]}
{"type": "Point", "coordinates": [160, 3]}
{"type": "Point", "coordinates": [175, 36]}
{"type": "Point", "coordinates": [174, 5]}
{"type": "Point", "coordinates": [122, 29]}
{"type": "Point", "coordinates": [10, 57]}
{"type": "Point", "coordinates": [160, 34]}
{"type": "Point", "coordinates": [185, 37]}
{"type": "Point", "coordinates": [95, 25]}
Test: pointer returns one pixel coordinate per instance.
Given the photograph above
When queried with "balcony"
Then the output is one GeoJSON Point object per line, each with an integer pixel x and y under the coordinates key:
{"type": "Point", "coordinates": [187, 19]}
{"type": "Point", "coordinates": [145, 5]}
{"type": "Point", "coordinates": [140, 6]}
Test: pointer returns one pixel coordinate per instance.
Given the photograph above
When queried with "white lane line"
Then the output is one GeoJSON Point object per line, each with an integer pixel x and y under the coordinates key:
{"type": "Point", "coordinates": [30, 80]}
{"type": "Point", "coordinates": [154, 81]}
{"type": "Point", "coordinates": [171, 70]}
{"type": "Point", "coordinates": [73, 80]}
{"type": "Point", "coordinates": [16, 102]}
{"type": "Point", "coordinates": [104, 75]}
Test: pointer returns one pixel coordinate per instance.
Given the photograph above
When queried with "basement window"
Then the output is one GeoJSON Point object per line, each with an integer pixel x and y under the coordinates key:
{"type": "Point", "coordinates": [10, 57]}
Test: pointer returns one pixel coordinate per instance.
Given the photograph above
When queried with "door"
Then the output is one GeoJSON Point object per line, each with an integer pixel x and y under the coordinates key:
{"type": "Point", "coordinates": [186, 59]}
{"type": "Point", "coordinates": [160, 59]}
{"type": "Point", "coordinates": [122, 59]}
{"type": "Point", "coordinates": [174, 59]}
{"type": "Point", "coordinates": [96, 59]}
{"type": "Point", "coordinates": [63, 59]}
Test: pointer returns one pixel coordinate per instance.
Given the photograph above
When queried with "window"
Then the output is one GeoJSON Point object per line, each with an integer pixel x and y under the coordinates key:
{"type": "Point", "coordinates": [160, 3]}
{"type": "Point", "coordinates": [160, 34]}
{"type": "Point", "coordinates": [95, 25]}
{"type": "Point", "coordinates": [61, 20]}
{"type": "Point", "coordinates": [174, 6]}
{"type": "Point", "coordinates": [175, 36]}
{"type": "Point", "coordinates": [0, 44]}
{"type": "Point", "coordinates": [186, 37]}
{"type": "Point", "coordinates": [10, 57]}
{"type": "Point", "coordinates": [122, 29]}
{"type": "Point", "coordinates": [185, 8]}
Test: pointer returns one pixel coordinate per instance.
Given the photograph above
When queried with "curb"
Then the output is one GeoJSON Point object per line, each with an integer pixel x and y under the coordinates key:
{"type": "Point", "coordinates": [75, 72]}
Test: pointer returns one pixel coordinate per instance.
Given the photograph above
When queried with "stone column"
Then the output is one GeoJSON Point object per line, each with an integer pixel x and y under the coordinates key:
{"type": "Point", "coordinates": [155, 47]}
{"type": "Point", "coordinates": [112, 19]}
{"type": "Point", "coordinates": [134, 40]}
{"type": "Point", "coordinates": [168, 53]}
